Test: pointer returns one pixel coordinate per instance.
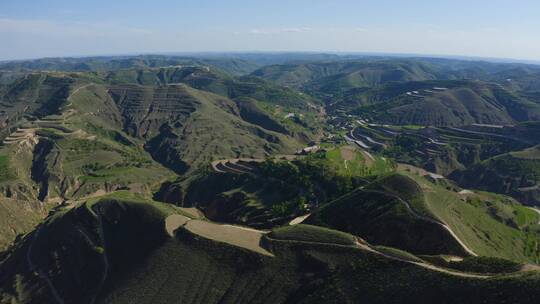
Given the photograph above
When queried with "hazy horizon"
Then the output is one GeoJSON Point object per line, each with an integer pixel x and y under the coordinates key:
{"type": "Point", "coordinates": [232, 54]}
{"type": "Point", "coordinates": [59, 28]}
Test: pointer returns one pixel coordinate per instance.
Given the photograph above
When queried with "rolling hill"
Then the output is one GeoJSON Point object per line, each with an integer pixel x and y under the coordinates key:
{"type": "Point", "coordinates": [329, 77]}
{"type": "Point", "coordinates": [111, 63]}
{"type": "Point", "coordinates": [447, 103]}
{"type": "Point", "coordinates": [283, 178]}
{"type": "Point", "coordinates": [336, 77]}
{"type": "Point", "coordinates": [135, 251]}
{"type": "Point", "coordinates": [419, 91]}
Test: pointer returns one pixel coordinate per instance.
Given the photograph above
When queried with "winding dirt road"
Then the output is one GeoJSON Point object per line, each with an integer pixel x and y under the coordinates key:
{"type": "Point", "coordinates": [176, 221]}
{"type": "Point", "coordinates": [365, 247]}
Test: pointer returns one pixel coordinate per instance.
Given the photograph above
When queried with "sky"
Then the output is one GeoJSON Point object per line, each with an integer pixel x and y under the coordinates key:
{"type": "Point", "coordinates": [476, 28]}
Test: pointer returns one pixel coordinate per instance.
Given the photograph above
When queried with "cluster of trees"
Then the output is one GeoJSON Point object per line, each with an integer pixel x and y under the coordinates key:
{"type": "Point", "coordinates": [310, 181]}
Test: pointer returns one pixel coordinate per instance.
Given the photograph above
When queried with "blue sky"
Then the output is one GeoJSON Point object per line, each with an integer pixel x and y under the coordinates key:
{"type": "Point", "coordinates": [45, 28]}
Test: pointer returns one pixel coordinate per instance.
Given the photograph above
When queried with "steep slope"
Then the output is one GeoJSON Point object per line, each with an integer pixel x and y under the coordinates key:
{"type": "Point", "coordinates": [37, 93]}
{"type": "Point", "coordinates": [260, 102]}
{"type": "Point", "coordinates": [167, 116]}
{"type": "Point", "coordinates": [18, 217]}
{"type": "Point", "coordinates": [78, 150]}
{"type": "Point", "coordinates": [48, 159]}
{"type": "Point", "coordinates": [185, 127]}
{"type": "Point", "coordinates": [515, 173]}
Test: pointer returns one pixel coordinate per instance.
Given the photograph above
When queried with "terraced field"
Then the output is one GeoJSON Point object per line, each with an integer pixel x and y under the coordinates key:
{"type": "Point", "coordinates": [236, 166]}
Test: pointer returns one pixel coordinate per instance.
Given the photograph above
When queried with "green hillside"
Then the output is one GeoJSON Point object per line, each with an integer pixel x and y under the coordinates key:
{"type": "Point", "coordinates": [72, 135]}
{"type": "Point", "coordinates": [417, 91]}
{"type": "Point", "coordinates": [206, 270]}
{"type": "Point", "coordinates": [490, 224]}
{"type": "Point", "coordinates": [336, 77]}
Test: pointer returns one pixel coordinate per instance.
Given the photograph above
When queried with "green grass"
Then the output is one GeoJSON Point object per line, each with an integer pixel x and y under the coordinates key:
{"type": "Point", "coordinates": [382, 165]}
{"type": "Point", "coordinates": [525, 216]}
{"type": "Point", "coordinates": [6, 172]}
{"type": "Point", "coordinates": [491, 225]}
{"type": "Point", "coordinates": [353, 167]}
{"type": "Point", "coordinates": [309, 233]}
{"type": "Point", "coordinates": [358, 165]}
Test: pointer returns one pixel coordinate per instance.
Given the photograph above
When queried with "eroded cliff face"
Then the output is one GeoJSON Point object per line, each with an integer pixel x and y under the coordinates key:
{"type": "Point", "coordinates": [46, 169]}
{"type": "Point", "coordinates": [146, 109]}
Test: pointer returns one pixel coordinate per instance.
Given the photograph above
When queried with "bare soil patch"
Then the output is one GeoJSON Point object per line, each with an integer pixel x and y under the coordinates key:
{"type": "Point", "coordinates": [233, 235]}
{"type": "Point", "coordinates": [173, 222]}
{"type": "Point", "coordinates": [347, 153]}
